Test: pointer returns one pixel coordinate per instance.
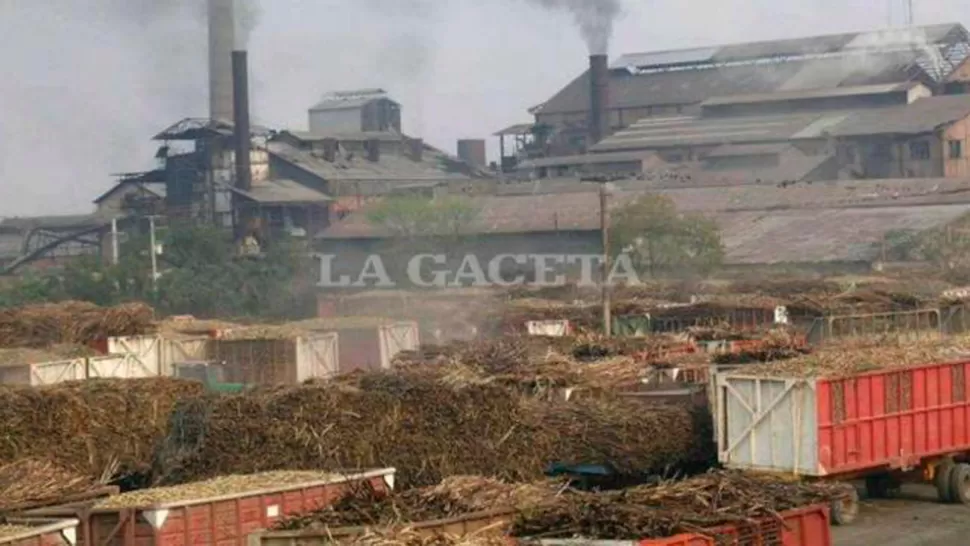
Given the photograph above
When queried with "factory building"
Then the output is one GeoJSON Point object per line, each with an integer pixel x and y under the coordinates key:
{"type": "Point", "coordinates": [844, 71]}
{"type": "Point", "coordinates": [363, 110]}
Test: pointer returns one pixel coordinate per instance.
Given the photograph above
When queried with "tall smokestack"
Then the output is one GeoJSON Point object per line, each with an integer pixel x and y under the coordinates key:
{"type": "Point", "coordinates": [240, 89]}
{"type": "Point", "coordinates": [222, 38]}
{"type": "Point", "coordinates": [599, 98]}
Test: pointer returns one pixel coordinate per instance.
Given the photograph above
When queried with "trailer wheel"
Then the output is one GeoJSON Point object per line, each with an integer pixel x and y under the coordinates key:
{"type": "Point", "coordinates": [960, 483]}
{"type": "Point", "coordinates": [882, 486]}
{"type": "Point", "coordinates": [942, 482]}
{"type": "Point", "coordinates": [845, 510]}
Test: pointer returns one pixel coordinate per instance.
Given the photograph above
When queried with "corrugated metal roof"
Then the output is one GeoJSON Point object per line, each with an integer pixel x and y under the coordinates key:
{"type": "Point", "coordinates": [583, 159]}
{"type": "Point", "coordinates": [57, 223]}
{"type": "Point", "coordinates": [835, 235]}
{"type": "Point", "coordinates": [649, 133]}
{"type": "Point", "coordinates": [578, 208]}
{"type": "Point", "coordinates": [356, 136]}
{"type": "Point", "coordinates": [434, 166]}
{"type": "Point", "coordinates": [921, 116]}
{"type": "Point", "coordinates": [804, 63]}
{"type": "Point", "coordinates": [750, 237]}
{"type": "Point", "coordinates": [851, 91]}
{"type": "Point", "coordinates": [735, 150]}
{"type": "Point", "coordinates": [665, 58]}
{"type": "Point", "coordinates": [282, 191]}
{"type": "Point", "coordinates": [518, 129]}
{"type": "Point", "coordinates": [344, 100]}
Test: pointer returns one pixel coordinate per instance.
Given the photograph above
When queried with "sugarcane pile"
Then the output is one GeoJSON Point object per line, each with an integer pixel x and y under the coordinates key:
{"type": "Point", "coordinates": [94, 428]}
{"type": "Point", "coordinates": [54, 353]}
{"type": "Point", "coordinates": [534, 364]}
{"type": "Point", "coordinates": [693, 505]}
{"type": "Point", "coordinates": [411, 537]}
{"type": "Point", "coordinates": [34, 483]}
{"type": "Point", "coordinates": [455, 496]}
{"type": "Point", "coordinates": [855, 358]}
{"type": "Point", "coordinates": [777, 344]}
{"type": "Point", "coordinates": [71, 322]}
{"type": "Point", "coordinates": [424, 427]}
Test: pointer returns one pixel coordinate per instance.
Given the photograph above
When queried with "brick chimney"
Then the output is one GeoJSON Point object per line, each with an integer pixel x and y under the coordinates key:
{"type": "Point", "coordinates": [599, 98]}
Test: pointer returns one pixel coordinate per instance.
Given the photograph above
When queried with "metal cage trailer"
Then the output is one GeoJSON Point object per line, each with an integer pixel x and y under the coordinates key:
{"type": "Point", "coordinates": [458, 526]}
{"type": "Point", "coordinates": [39, 532]}
{"type": "Point", "coordinates": [212, 520]}
{"type": "Point", "coordinates": [807, 526]}
{"type": "Point", "coordinates": [888, 427]}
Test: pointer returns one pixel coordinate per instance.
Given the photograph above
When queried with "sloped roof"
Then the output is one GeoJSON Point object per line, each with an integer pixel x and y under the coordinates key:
{"type": "Point", "coordinates": [281, 191]}
{"type": "Point", "coordinates": [806, 222]}
{"type": "Point", "coordinates": [831, 235]}
{"type": "Point", "coordinates": [357, 136]}
{"type": "Point", "coordinates": [921, 116]}
{"type": "Point", "coordinates": [694, 75]}
{"type": "Point", "coordinates": [158, 189]}
{"type": "Point", "coordinates": [803, 94]}
{"type": "Point", "coordinates": [661, 132]}
{"type": "Point", "coordinates": [345, 100]}
{"type": "Point", "coordinates": [434, 166]}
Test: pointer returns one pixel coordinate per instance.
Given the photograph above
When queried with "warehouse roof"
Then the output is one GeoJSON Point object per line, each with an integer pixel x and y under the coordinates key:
{"type": "Point", "coordinates": [803, 94]}
{"type": "Point", "coordinates": [54, 223]}
{"type": "Point", "coordinates": [282, 191]}
{"type": "Point", "coordinates": [922, 116]}
{"type": "Point", "coordinates": [356, 136]}
{"type": "Point", "coordinates": [583, 159]}
{"type": "Point", "coordinates": [928, 54]}
{"type": "Point", "coordinates": [661, 132]}
{"type": "Point", "coordinates": [831, 235]}
{"type": "Point", "coordinates": [579, 210]}
{"type": "Point", "coordinates": [344, 100]}
{"type": "Point", "coordinates": [749, 237]}
{"type": "Point", "coordinates": [435, 165]}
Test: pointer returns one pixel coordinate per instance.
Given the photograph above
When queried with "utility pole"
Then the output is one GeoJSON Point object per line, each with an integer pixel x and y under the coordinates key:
{"type": "Point", "coordinates": [115, 250]}
{"type": "Point", "coordinates": [154, 253]}
{"type": "Point", "coordinates": [605, 231]}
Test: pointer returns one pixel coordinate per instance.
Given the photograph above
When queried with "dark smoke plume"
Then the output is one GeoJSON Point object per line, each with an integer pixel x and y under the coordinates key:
{"type": "Point", "coordinates": [594, 17]}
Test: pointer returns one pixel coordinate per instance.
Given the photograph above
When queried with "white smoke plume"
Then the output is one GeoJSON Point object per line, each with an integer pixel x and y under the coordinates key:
{"type": "Point", "coordinates": [594, 17]}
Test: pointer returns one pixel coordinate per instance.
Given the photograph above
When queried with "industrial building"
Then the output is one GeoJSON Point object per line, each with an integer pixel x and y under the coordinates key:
{"type": "Point", "coordinates": [677, 106]}
{"type": "Point", "coordinates": [832, 225]}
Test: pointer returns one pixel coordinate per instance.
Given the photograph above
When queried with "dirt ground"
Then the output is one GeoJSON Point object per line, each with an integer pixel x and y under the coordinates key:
{"type": "Point", "coordinates": [917, 518]}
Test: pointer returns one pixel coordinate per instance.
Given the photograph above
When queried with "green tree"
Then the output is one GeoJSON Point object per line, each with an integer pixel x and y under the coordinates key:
{"type": "Point", "coordinates": [199, 276]}
{"type": "Point", "coordinates": [661, 239]}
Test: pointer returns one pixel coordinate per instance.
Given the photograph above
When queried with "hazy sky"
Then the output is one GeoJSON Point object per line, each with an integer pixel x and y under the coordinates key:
{"type": "Point", "coordinates": [86, 83]}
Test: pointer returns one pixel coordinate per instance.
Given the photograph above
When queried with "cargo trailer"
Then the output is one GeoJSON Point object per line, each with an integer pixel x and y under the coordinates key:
{"type": "Point", "coordinates": [210, 518]}
{"type": "Point", "coordinates": [801, 527]}
{"type": "Point", "coordinates": [887, 426]}
{"type": "Point", "coordinates": [458, 526]}
{"type": "Point", "coordinates": [39, 532]}
{"type": "Point", "coordinates": [807, 526]}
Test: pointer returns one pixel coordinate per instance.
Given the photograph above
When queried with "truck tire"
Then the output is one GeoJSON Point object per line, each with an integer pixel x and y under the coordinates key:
{"type": "Point", "coordinates": [844, 511]}
{"type": "Point", "coordinates": [941, 480]}
{"type": "Point", "coordinates": [960, 483]}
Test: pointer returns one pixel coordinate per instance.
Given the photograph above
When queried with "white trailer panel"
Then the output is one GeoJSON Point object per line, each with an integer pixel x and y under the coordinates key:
{"type": "Point", "coordinates": [767, 424]}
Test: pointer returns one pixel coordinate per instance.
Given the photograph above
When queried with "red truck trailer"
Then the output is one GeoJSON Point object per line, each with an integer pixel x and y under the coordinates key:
{"type": "Point", "coordinates": [886, 426]}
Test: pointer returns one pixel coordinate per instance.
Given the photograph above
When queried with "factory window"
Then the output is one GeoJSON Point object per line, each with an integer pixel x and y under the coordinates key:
{"type": "Point", "coordinates": [956, 149]}
{"type": "Point", "coordinates": [919, 150]}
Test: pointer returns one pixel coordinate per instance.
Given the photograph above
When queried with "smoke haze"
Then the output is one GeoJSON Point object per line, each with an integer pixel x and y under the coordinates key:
{"type": "Point", "coordinates": [594, 17]}
{"type": "Point", "coordinates": [88, 82]}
